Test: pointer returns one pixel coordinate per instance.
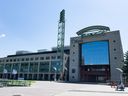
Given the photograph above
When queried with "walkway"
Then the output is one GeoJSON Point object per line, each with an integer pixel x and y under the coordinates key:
{"type": "Point", "coordinates": [46, 88]}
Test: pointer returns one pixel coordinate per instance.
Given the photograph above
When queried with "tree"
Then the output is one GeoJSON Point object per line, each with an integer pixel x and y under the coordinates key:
{"type": "Point", "coordinates": [125, 67]}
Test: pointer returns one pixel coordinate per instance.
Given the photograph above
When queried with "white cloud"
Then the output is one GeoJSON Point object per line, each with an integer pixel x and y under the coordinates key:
{"type": "Point", "coordinates": [2, 35]}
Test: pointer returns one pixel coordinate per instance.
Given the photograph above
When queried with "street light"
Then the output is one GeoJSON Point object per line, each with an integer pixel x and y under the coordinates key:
{"type": "Point", "coordinates": [121, 72]}
{"type": "Point", "coordinates": [121, 85]}
{"type": "Point", "coordinates": [55, 73]}
{"type": "Point", "coordinates": [14, 72]}
{"type": "Point", "coordinates": [5, 71]}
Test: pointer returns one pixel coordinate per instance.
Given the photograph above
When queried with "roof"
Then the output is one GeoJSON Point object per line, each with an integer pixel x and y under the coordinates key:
{"type": "Point", "coordinates": [38, 53]}
{"type": "Point", "coordinates": [93, 28]}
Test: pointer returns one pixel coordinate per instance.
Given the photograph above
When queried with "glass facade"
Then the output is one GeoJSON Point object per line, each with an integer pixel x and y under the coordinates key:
{"type": "Point", "coordinates": [95, 53]}
{"type": "Point", "coordinates": [8, 67]}
{"type": "Point", "coordinates": [16, 67]}
{"type": "Point", "coordinates": [44, 67]}
{"type": "Point", "coordinates": [33, 67]}
{"type": "Point", "coordinates": [55, 65]}
{"type": "Point", "coordinates": [24, 67]}
{"type": "Point", "coordinates": [1, 67]}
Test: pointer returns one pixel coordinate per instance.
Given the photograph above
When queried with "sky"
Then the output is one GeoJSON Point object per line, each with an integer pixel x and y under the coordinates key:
{"type": "Point", "coordinates": [33, 24]}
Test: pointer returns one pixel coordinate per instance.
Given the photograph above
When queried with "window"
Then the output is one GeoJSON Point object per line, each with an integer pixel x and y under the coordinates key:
{"type": "Point", "coordinates": [115, 57]}
{"type": "Point", "coordinates": [14, 60]}
{"type": "Point", "coordinates": [22, 59]}
{"type": "Point", "coordinates": [8, 67]}
{"type": "Point", "coordinates": [24, 67]}
{"type": "Point", "coordinates": [27, 59]}
{"type": "Point", "coordinates": [44, 67]}
{"type": "Point", "coordinates": [1, 67]}
{"type": "Point", "coordinates": [16, 66]}
{"type": "Point", "coordinates": [33, 67]}
{"type": "Point", "coordinates": [36, 58]}
{"type": "Point", "coordinates": [73, 70]}
{"type": "Point", "coordinates": [7, 60]}
{"type": "Point", "coordinates": [114, 49]}
{"type": "Point", "coordinates": [95, 53]}
{"type": "Point", "coordinates": [73, 77]}
{"type": "Point", "coordinates": [41, 58]}
{"type": "Point", "coordinates": [114, 41]}
{"type": "Point", "coordinates": [73, 52]}
{"type": "Point", "coordinates": [10, 60]}
{"type": "Point", "coordinates": [31, 58]}
{"type": "Point", "coordinates": [53, 57]}
{"type": "Point", "coordinates": [57, 65]}
{"type": "Point", "coordinates": [58, 57]}
{"type": "Point", "coordinates": [47, 58]}
{"type": "Point", "coordinates": [73, 45]}
{"type": "Point", "coordinates": [18, 59]}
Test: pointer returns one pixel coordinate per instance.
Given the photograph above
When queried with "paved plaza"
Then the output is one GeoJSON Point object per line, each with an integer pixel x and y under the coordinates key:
{"type": "Point", "coordinates": [47, 88]}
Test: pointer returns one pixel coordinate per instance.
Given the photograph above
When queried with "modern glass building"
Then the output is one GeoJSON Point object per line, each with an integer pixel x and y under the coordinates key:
{"type": "Point", "coordinates": [95, 54]}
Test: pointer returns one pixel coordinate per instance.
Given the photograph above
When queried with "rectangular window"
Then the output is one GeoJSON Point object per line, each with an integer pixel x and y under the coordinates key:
{"type": "Point", "coordinates": [36, 58]}
{"type": "Point", "coordinates": [7, 60]}
{"type": "Point", "coordinates": [14, 60]}
{"type": "Point", "coordinates": [31, 59]}
{"type": "Point", "coordinates": [47, 58]}
{"type": "Point", "coordinates": [56, 66]}
{"type": "Point", "coordinates": [73, 70]}
{"type": "Point", "coordinates": [53, 57]}
{"type": "Point", "coordinates": [10, 60]}
{"type": "Point", "coordinates": [95, 53]}
{"type": "Point", "coordinates": [41, 58]}
{"type": "Point", "coordinates": [22, 59]}
{"type": "Point", "coordinates": [33, 67]}
{"type": "Point", "coordinates": [58, 57]}
{"type": "Point", "coordinates": [44, 67]}
{"type": "Point", "coordinates": [24, 67]}
{"type": "Point", "coordinates": [16, 67]}
{"type": "Point", "coordinates": [27, 59]}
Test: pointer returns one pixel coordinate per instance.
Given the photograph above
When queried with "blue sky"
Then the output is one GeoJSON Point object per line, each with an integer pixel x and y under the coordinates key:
{"type": "Point", "coordinates": [32, 24]}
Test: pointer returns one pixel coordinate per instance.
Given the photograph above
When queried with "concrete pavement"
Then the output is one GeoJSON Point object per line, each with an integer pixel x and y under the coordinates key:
{"type": "Point", "coordinates": [47, 88]}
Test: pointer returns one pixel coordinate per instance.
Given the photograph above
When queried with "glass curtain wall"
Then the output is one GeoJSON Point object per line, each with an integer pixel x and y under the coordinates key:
{"type": "Point", "coordinates": [16, 67]}
{"type": "Point", "coordinates": [55, 66]}
{"type": "Point", "coordinates": [24, 67]}
{"type": "Point", "coordinates": [95, 53]}
{"type": "Point", "coordinates": [8, 67]}
{"type": "Point", "coordinates": [1, 68]}
{"type": "Point", "coordinates": [33, 67]}
{"type": "Point", "coordinates": [44, 67]}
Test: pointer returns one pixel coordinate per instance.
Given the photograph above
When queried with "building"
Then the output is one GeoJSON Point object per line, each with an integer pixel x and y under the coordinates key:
{"type": "Point", "coordinates": [43, 65]}
{"type": "Point", "coordinates": [95, 54]}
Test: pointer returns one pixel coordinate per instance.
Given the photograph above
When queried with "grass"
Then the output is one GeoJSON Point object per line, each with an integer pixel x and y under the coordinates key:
{"type": "Point", "coordinates": [16, 82]}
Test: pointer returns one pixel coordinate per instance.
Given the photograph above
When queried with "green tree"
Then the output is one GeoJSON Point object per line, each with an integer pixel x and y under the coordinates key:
{"type": "Point", "coordinates": [125, 67]}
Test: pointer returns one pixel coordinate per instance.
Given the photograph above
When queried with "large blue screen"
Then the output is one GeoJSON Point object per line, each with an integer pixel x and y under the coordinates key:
{"type": "Point", "coordinates": [95, 53]}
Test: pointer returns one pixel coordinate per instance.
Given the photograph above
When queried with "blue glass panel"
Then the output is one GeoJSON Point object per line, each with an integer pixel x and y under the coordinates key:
{"type": "Point", "coordinates": [95, 53]}
{"type": "Point", "coordinates": [56, 65]}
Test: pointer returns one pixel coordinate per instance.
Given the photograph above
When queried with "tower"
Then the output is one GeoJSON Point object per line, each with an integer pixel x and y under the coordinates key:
{"type": "Point", "coordinates": [60, 40]}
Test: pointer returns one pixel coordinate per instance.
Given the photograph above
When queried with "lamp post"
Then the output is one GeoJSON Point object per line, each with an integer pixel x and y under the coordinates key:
{"type": "Point", "coordinates": [55, 73]}
{"type": "Point", "coordinates": [14, 72]}
{"type": "Point", "coordinates": [4, 73]}
{"type": "Point", "coordinates": [121, 72]}
{"type": "Point", "coordinates": [121, 85]}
